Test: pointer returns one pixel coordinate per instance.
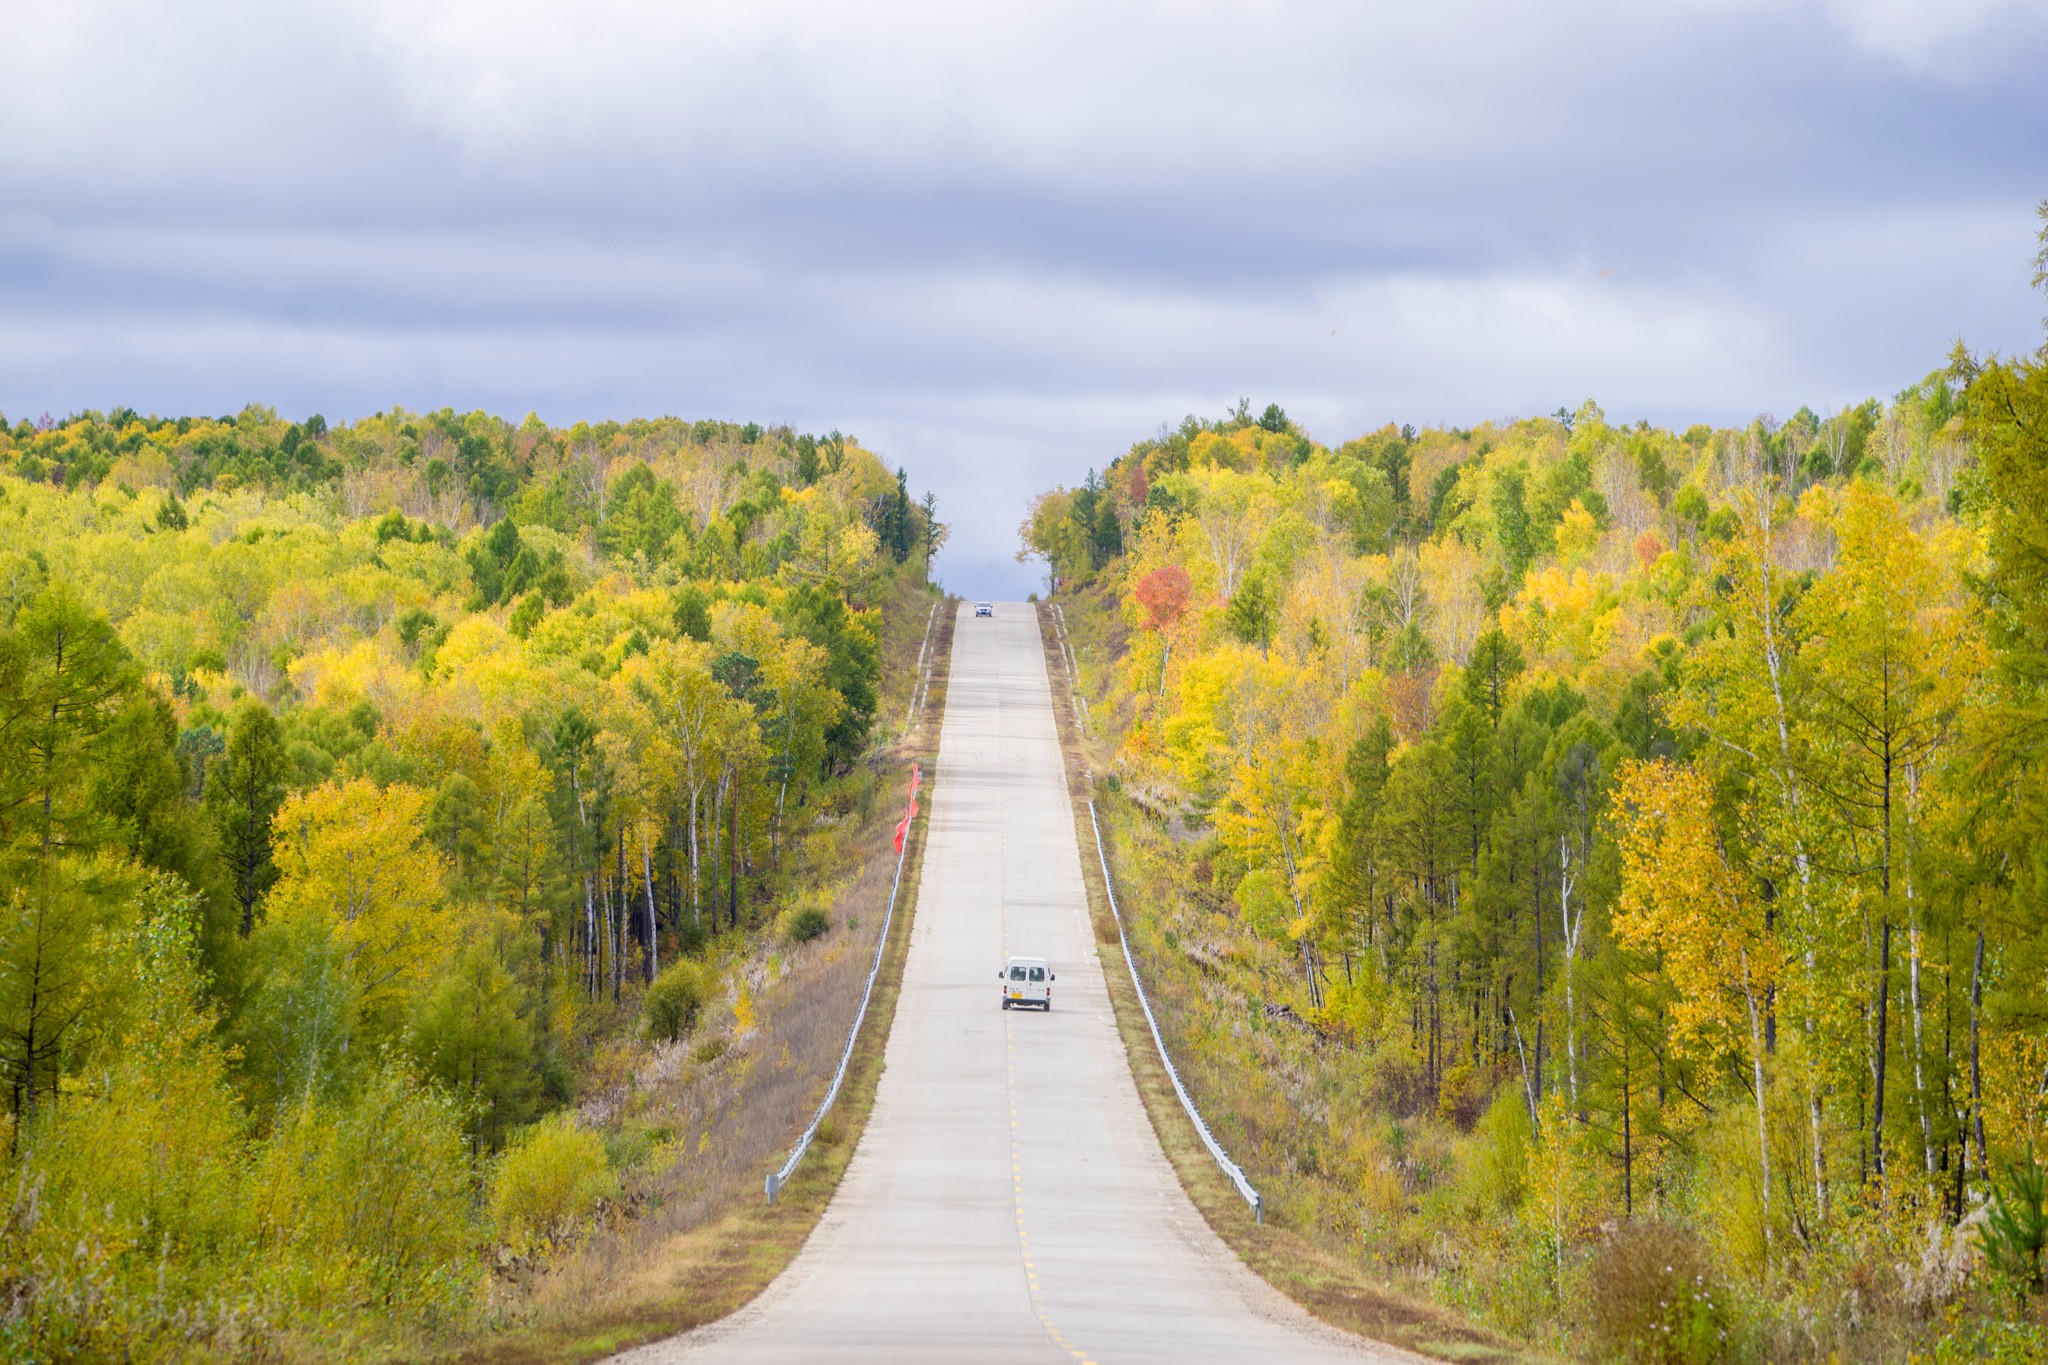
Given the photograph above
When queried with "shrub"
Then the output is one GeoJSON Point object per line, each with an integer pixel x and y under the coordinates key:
{"type": "Point", "coordinates": [367, 1200]}
{"type": "Point", "coordinates": [1463, 1095]}
{"type": "Point", "coordinates": [1500, 1163]}
{"type": "Point", "coordinates": [549, 1182]}
{"type": "Point", "coordinates": [674, 1001]}
{"type": "Point", "coordinates": [1655, 1300]}
{"type": "Point", "coordinates": [807, 924]}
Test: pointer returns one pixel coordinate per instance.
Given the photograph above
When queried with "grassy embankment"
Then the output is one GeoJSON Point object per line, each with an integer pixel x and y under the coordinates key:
{"type": "Point", "coordinates": [1329, 1281]}
{"type": "Point", "coordinates": [698, 1240]}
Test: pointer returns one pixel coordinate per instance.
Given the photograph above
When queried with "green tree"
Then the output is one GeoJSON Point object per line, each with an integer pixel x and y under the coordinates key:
{"type": "Point", "coordinates": [1496, 662]}
{"type": "Point", "coordinates": [66, 687]}
{"type": "Point", "coordinates": [54, 1000]}
{"type": "Point", "coordinates": [693, 612]}
{"type": "Point", "coordinates": [66, 681]}
{"type": "Point", "coordinates": [245, 788]}
{"type": "Point", "coordinates": [1251, 612]}
{"type": "Point", "coordinates": [1511, 529]}
{"type": "Point", "coordinates": [470, 1034]}
{"type": "Point", "coordinates": [458, 824]}
{"type": "Point", "coordinates": [297, 1017]}
{"type": "Point", "coordinates": [1359, 877]}
{"type": "Point", "coordinates": [853, 667]}
{"type": "Point", "coordinates": [641, 516]}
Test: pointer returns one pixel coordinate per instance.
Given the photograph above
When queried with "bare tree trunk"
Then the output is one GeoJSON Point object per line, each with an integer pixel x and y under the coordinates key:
{"type": "Point", "coordinates": [653, 944]}
{"type": "Point", "coordinates": [782, 792]}
{"type": "Point", "coordinates": [1814, 1117]}
{"type": "Point", "coordinates": [589, 938]}
{"type": "Point", "coordinates": [1628, 1166]}
{"type": "Point", "coordinates": [696, 915]}
{"type": "Point", "coordinates": [1788, 783]}
{"type": "Point", "coordinates": [717, 841]}
{"type": "Point", "coordinates": [1536, 917]}
{"type": "Point", "coordinates": [1976, 1072]}
{"type": "Point", "coordinates": [1919, 1044]}
{"type": "Point", "coordinates": [1528, 1085]}
{"type": "Point", "coordinates": [1884, 990]}
{"type": "Point", "coordinates": [1914, 999]}
{"type": "Point", "coordinates": [1570, 924]}
{"type": "Point", "coordinates": [1756, 1063]}
{"type": "Point", "coordinates": [733, 886]}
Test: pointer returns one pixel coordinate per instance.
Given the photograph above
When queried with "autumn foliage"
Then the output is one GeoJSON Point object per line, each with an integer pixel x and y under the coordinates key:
{"type": "Point", "coordinates": [1163, 595]}
{"type": "Point", "coordinates": [1614, 837]}
{"type": "Point", "coordinates": [355, 784]}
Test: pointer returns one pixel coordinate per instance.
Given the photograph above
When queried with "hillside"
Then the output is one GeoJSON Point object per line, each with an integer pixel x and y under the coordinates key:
{"type": "Point", "coordinates": [1593, 870]}
{"type": "Point", "coordinates": [383, 804]}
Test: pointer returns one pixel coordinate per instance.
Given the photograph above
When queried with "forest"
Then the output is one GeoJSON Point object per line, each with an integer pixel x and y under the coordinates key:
{"type": "Point", "coordinates": [1595, 872]}
{"type": "Point", "coordinates": [371, 793]}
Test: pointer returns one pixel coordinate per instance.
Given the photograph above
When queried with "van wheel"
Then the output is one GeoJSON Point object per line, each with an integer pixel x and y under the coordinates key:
{"type": "Point", "coordinates": [1006, 1004]}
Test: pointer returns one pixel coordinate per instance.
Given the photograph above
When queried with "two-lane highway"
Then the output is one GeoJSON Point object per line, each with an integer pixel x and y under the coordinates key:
{"type": "Point", "coordinates": [1009, 1200]}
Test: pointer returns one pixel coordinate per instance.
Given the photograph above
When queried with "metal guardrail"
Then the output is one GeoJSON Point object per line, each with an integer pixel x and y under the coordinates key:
{"type": "Point", "coordinates": [777, 1179]}
{"type": "Point", "coordinates": [1072, 661]}
{"type": "Point", "coordinates": [924, 673]}
{"type": "Point", "coordinates": [1229, 1167]}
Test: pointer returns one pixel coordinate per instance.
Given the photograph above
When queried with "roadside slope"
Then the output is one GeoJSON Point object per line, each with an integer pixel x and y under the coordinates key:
{"type": "Point", "coordinates": [1336, 1289]}
{"type": "Point", "coordinates": [702, 1243]}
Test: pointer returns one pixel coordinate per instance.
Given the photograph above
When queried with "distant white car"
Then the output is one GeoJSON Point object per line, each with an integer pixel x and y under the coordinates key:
{"type": "Point", "coordinates": [984, 609]}
{"type": "Point", "coordinates": [1027, 981]}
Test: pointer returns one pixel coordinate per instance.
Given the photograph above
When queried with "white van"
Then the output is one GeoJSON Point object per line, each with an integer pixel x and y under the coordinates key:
{"type": "Point", "coordinates": [1026, 981]}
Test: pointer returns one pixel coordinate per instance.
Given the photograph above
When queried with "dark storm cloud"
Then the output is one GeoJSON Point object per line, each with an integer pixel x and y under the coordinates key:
{"type": "Point", "coordinates": [1001, 242]}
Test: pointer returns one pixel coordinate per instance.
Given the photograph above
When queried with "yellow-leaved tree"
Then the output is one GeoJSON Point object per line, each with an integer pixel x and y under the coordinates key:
{"type": "Point", "coordinates": [354, 857]}
{"type": "Point", "coordinates": [1894, 649]}
{"type": "Point", "coordinates": [1684, 899]}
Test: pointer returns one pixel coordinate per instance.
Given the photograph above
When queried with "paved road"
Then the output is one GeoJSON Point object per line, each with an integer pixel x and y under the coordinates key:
{"type": "Point", "coordinates": [1008, 1201]}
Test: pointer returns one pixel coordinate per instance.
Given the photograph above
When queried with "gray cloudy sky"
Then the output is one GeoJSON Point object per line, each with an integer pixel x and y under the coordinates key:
{"type": "Point", "coordinates": [997, 241]}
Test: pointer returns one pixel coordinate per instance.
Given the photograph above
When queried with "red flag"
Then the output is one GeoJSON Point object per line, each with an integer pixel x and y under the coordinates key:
{"type": "Point", "coordinates": [910, 811]}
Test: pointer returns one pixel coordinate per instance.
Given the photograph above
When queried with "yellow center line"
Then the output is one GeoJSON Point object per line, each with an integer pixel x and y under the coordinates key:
{"type": "Point", "coordinates": [1016, 1156]}
{"type": "Point", "coordinates": [1031, 1285]}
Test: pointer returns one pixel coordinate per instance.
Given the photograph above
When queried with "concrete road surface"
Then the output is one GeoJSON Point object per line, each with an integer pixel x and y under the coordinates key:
{"type": "Point", "coordinates": [1008, 1201]}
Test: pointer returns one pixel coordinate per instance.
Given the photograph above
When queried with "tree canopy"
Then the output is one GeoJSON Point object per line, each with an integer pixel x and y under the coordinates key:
{"type": "Point", "coordinates": [1679, 793]}
{"type": "Point", "coordinates": [355, 781]}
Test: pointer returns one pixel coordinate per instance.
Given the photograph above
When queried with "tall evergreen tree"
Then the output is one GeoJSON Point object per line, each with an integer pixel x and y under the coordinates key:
{"type": "Point", "coordinates": [244, 789]}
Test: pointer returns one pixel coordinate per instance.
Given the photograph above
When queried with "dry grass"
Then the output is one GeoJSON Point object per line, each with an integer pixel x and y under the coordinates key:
{"type": "Point", "coordinates": [695, 1239]}
{"type": "Point", "coordinates": [1334, 1289]}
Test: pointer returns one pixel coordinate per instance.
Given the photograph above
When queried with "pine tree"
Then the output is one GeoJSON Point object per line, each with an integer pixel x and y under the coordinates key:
{"type": "Point", "coordinates": [245, 787]}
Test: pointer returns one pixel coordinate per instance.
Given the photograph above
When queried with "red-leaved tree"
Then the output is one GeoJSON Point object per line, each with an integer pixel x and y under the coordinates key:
{"type": "Point", "coordinates": [1163, 596]}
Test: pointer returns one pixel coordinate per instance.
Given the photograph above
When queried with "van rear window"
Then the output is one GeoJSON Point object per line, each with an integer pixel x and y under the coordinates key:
{"type": "Point", "coordinates": [1016, 973]}
{"type": "Point", "coordinates": [1038, 973]}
